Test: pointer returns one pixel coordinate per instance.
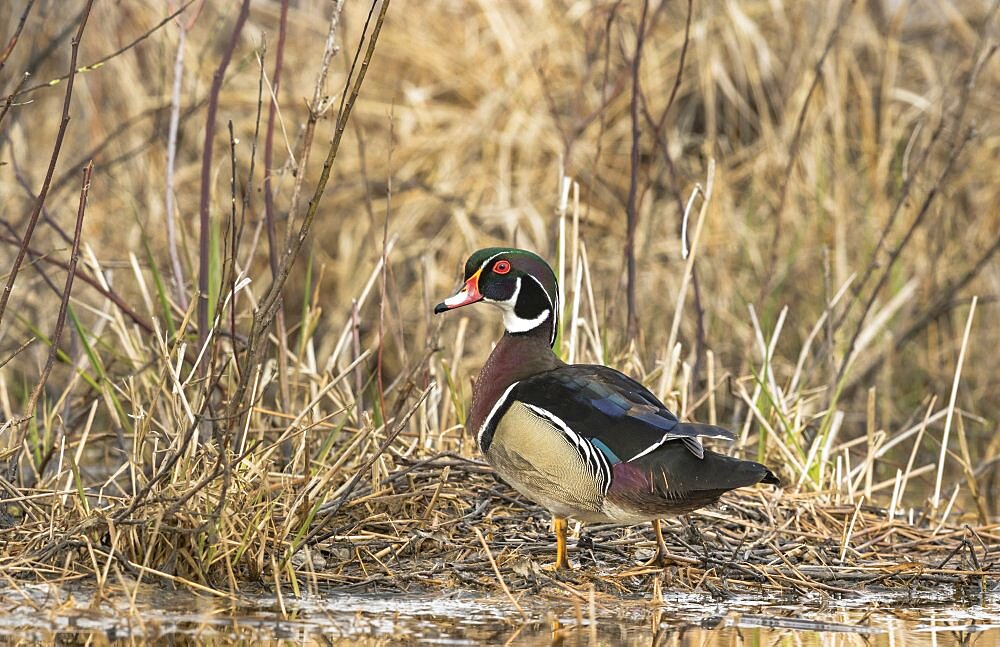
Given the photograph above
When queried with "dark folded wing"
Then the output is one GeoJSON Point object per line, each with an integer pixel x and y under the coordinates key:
{"type": "Point", "coordinates": [616, 414]}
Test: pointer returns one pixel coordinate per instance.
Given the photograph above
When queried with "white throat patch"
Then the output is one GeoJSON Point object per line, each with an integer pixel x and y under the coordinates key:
{"type": "Point", "coordinates": [511, 321]}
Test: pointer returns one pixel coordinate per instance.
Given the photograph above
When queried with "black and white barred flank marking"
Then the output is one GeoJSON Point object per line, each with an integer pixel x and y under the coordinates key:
{"type": "Point", "coordinates": [596, 461]}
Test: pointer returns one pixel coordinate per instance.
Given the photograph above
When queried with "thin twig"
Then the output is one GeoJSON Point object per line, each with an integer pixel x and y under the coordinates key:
{"type": "Point", "coordinates": [603, 120]}
{"type": "Point", "coordinates": [793, 148]}
{"type": "Point", "coordinates": [385, 270]}
{"type": "Point", "coordinates": [279, 56]}
{"type": "Point", "coordinates": [29, 410]}
{"type": "Point", "coordinates": [318, 106]}
{"type": "Point", "coordinates": [273, 251]}
{"type": "Point", "coordinates": [265, 312]}
{"type": "Point", "coordinates": [248, 190]}
{"type": "Point", "coordinates": [232, 241]}
{"type": "Point", "coordinates": [104, 59]}
{"type": "Point", "coordinates": [60, 135]}
{"type": "Point", "coordinates": [632, 215]}
{"type": "Point", "coordinates": [17, 33]}
{"type": "Point", "coordinates": [20, 349]}
{"type": "Point", "coordinates": [9, 101]}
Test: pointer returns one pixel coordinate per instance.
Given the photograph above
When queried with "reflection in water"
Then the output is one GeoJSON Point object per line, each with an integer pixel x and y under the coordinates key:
{"type": "Point", "coordinates": [78, 615]}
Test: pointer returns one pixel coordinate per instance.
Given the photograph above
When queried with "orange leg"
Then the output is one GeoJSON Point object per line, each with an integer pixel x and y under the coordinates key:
{"type": "Point", "coordinates": [660, 558]}
{"type": "Point", "coordinates": [559, 525]}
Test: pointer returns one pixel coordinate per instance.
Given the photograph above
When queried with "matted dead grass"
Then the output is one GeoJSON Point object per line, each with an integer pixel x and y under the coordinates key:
{"type": "Point", "coordinates": [445, 522]}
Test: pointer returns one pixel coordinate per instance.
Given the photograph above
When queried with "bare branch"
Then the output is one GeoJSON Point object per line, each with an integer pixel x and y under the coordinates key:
{"type": "Point", "coordinates": [5, 54]}
{"type": "Point", "coordinates": [29, 410]}
{"type": "Point", "coordinates": [206, 173]}
{"type": "Point", "coordinates": [60, 135]}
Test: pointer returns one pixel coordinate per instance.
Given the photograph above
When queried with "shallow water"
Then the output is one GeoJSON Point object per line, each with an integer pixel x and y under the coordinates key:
{"type": "Point", "coordinates": [77, 615]}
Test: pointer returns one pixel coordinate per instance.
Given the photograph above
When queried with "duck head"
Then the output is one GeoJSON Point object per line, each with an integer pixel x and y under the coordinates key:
{"type": "Point", "coordinates": [518, 282]}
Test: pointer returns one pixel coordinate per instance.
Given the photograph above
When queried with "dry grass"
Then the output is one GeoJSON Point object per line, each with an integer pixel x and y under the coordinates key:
{"type": "Point", "coordinates": [846, 217]}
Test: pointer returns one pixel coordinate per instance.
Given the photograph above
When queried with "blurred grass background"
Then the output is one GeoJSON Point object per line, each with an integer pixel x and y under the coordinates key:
{"type": "Point", "coordinates": [851, 141]}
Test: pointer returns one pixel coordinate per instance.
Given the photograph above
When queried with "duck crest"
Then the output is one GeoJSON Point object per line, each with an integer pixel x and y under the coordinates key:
{"type": "Point", "coordinates": [516, 357]}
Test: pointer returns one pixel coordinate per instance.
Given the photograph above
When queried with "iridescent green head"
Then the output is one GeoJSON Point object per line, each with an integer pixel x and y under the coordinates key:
{"type": "Point", "coordinates": [518, 282]}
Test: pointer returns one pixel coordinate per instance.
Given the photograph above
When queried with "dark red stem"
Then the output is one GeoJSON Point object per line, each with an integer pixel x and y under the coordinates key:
{"type": "Point", "coordinates": [206, 173]}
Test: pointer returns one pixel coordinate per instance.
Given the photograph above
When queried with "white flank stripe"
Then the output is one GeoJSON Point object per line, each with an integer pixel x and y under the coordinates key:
{"type": "Point", "coordinates": [493, 412]}
{"type": "Point", "coordinates": [669, 437]}
{"type": "Point", "coordinates": [651, 448]}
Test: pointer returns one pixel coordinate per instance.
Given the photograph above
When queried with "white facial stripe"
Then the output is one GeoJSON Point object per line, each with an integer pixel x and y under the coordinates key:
{"type": "Point", "coordinates": [553, 304]}
{"type": "Point", "coordinates": [555, 316]}
{"type": "Point", "coordinates": [461, 295]}
{"type": "Point", "coordinates": [513, 323]}
{"type": "Point", "coordinates": [544, 291]}
{"type": "Point", "coordinates": [487, 261]}
{"type": "Point", "coordinates": [509, 303]}
{"type": "Point", "coordinates": [493, 412]}
{"type": "Point", "coordinates": [595, 460]}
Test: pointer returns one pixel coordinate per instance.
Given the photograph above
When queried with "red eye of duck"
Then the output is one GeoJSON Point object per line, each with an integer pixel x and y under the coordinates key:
{"type": "Point", "coordinates": [502, 267]}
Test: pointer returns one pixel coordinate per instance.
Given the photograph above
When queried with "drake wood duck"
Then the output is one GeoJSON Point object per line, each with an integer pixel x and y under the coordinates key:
{"type": "Point", "coordinates": [583, 440]}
